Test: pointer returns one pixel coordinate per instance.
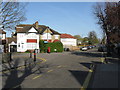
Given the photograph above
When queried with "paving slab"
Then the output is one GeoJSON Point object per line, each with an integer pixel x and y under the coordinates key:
{"type": "Point", "coordinates": [106, 76]}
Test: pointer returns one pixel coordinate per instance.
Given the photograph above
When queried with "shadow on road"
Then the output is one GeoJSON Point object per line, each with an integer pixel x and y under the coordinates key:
{"type": "Point", "coordinates": [87, 54]}
{"type": "Point", "coordinates": [15, 77]}
{"type": "Point", "coordinates": [87, 65]}
{"type": "Point", "coordinates": [80, 76]}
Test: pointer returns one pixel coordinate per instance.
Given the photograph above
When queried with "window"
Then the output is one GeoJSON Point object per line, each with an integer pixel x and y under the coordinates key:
{"type": "Point", "coordinates": [32, 35]}
{"type": "Point", "coordinates": [46, 36]}
{"type": "Point", "coordinates": [31, 45]}
{"type": "Point", "coordinates": [56, 36]}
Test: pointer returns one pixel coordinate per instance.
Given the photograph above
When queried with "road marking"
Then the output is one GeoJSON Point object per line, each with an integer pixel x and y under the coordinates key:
{"type": "Point", "coordinates": [37, 76]}
{"type": "Point", "coordinates": [49, 71]}
{"type": "Point", "coordinates": [102, 60]}
{"type": "Point", "coordinates": [90, 70]}
{"type": "Point", "coordinates": [4, 71]}
{"type": "Point", "coordinates": [59, 66]}
{"type": "Point", "coordinates": [20, 67]}
{"type": "Point", "coordinates": [87, 80]}
{"type": "Point", "coordinates": [43, 60]}
{"type": "Point", "coordinates": [23, 66]}
{"type": "Point", "coordinates": [84, 67]}
{"type": "Point", "coordinates": [85, 85]}
{"type": "Point", "coordinates": [14, 87]}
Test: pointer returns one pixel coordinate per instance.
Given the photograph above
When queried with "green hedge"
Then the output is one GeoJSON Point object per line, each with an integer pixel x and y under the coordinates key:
{"type": "Point", "coordinates": [56, 45]}
{"type": "Point", "coordinates": [41, 45]}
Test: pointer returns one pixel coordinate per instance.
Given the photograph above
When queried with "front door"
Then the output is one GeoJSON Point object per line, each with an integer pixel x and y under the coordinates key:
{"type": "Point", "coordinates": [13, 48]}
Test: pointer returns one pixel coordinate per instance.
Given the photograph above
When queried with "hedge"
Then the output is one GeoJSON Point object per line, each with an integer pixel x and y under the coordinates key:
{"type": "Point", "coordinates": [41, 45]}
{"type": "Point", "coordinates": [55, 45]}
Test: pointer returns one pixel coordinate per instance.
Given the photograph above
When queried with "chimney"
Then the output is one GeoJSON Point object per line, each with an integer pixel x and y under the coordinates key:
{"type": "Point", "coordinates": [36, 24]}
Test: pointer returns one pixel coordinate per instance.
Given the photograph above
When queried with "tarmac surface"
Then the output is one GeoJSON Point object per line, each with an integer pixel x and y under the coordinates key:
{"type": "Point", "coordinates": [61, 70]}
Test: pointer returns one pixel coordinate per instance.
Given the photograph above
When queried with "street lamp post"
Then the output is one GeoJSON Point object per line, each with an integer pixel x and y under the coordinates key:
{"type": "Point", "coordinates": [118, 13]}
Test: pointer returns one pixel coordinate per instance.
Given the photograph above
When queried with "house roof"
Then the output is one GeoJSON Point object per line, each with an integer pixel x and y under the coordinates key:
{"type": "Point", "coordinates": [9, 40]}
{"type": "Point", "coordinates": [66, 36]}
{"type": "Point", "coordinates": [3, 32]}
{"type": "Point", "coordinates": [24, 28]}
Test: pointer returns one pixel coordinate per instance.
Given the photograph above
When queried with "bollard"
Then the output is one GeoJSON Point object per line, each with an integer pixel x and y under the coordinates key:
{"type": "Point", "coordinates": [34, 56]}
{"type": "Point", "coordinates": [10, 56]}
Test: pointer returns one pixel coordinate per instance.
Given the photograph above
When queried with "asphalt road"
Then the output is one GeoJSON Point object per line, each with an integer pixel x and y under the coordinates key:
{"type": "Point", "coordinates": [58, 70]}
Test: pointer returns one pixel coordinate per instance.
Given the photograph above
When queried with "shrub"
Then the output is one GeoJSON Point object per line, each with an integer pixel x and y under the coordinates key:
{"type": "Point", "coordinates": [56, 45]}
{"type": "Point", "coordinates": [41, 45]}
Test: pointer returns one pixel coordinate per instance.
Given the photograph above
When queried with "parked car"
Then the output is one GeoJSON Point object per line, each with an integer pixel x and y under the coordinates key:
{"type": "Point", "coordinates": [84, 48]}
{"type": "Point", "coordinates": [102, 48]}
{"type": "Point", "coordinates": [88, 47]}
{"type": "Point", "coordinates": [66, 49]}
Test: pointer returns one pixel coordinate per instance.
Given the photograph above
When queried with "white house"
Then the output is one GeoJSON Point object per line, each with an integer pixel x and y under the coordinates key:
{"type": "Point", "coordinates": [68, 40]}
{"type": "Point", "coordinates": [29, 35]}
{"type": "Point", "coordinates": [27, 38]}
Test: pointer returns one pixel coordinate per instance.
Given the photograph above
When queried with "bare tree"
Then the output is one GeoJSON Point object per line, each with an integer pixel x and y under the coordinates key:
{"type": "Point", "coordinates": [12, 13]}
{"type": "Point", "coordinates": [108, 15]}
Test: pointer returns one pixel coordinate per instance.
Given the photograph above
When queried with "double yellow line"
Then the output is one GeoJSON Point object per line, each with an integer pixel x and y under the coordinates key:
{"type": "Point", "coordinates": [38, 76]}
{"type": "Point", "coordinates": [87, 80]}
{"type": "Point", "coordinates": [23, 66]}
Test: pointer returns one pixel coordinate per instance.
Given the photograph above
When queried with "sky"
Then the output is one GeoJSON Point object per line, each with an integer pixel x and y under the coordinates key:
{"type": "Point", "coordinates": [75, 18]}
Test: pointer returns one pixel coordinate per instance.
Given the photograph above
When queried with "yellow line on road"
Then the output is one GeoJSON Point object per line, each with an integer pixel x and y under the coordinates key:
{"type": "Point", "coordinates": [37, 76]}
{"type": "Point", "coordinates": [4, 71]}
{"type": "Point", "coordinates": [49, 71]}
{"type": "Point", "coordinates": [85, 85]}
{"type": "Point", "coordinates": [102, 60]}
{"type": "Point", "coordinates": [14, 87]}
{"type": "Point", "coordinates": [21, 67]}
{"type": "Point", "coordinates": [84, 67]}
{"type": "Point", "coordinates": [87, 80]}
{"type": "Point", "coordinates": [59, 66]}
{"type": "Point", "coordinates": [90, 70]}
{"type": "Point", "coordinates": [43, 60]}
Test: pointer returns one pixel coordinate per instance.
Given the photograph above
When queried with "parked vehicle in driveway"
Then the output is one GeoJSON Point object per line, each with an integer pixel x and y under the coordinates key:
{"type": "Point", "coordinates": [84, 48]}
{"type": "Point", "coordinates": [66, 49]}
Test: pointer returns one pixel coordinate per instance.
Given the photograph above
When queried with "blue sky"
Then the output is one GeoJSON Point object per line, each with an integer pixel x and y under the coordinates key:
{"type": "Point", "coordinates": [75, 18]}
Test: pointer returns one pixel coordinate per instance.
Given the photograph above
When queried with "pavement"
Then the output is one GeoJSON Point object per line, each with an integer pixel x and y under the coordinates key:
{"type": "Point", "coordinates": [106, 75]}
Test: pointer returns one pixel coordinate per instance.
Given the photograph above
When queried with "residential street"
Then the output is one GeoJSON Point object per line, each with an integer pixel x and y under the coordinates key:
{"type": "Point", "coordinates": [60, 45]}
{"type": "Point", "coordinates": [58, 70]}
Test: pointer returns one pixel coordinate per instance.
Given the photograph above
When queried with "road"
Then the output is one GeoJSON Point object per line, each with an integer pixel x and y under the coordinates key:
{"type": "Point", "coordinates": [58, 70]}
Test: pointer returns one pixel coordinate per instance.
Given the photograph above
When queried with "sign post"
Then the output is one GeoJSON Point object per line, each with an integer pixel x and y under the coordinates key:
{"type": "Point", "coordinates": [35, 55]}
{"type": "Point", "coordinates": [30, 54]}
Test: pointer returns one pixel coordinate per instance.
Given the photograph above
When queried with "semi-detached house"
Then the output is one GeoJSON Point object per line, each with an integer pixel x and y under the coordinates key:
{"type": "Point", "coordinates": [29, 35]}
